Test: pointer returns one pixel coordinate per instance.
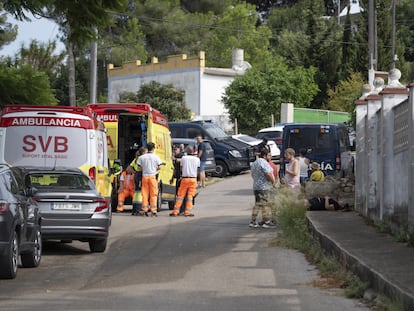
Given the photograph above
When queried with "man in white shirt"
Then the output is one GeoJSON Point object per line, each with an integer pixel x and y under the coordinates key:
{"type": "Point", "coordinates": [188, 186]}
{"type": "Point", "coordinates": [150, 165]}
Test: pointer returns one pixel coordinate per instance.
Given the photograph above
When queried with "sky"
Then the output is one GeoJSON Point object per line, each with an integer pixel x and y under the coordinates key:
{"type": "Point", "coordinates": [42, 30]}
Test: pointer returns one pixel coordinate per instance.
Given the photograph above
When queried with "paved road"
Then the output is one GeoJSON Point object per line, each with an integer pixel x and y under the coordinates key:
{"type": "Point", "coordinates": [210, 262]}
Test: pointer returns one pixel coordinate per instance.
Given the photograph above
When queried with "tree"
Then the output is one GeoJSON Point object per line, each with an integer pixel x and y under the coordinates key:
{"type": "Point", "coordinates": [309, 41]}
{"type": "Point", "coordinates": [8, 32]}
{"type": "Point", "coordinates": [122, 42]}
{"type": "Point", "coordinates": [81, 16]}
{"type": "Point", "coordinates": [23, 85]}
{"type": "Point", "coordinates": [255, 96]}
{"type": "Point", "coordinates": [237, 29]}
{"type": "Point", "coordinates": [343, 96]}
{"type": "Point", "coordinates": [163, 97]}
{"type": "Point", "coordinates": [40, 56]}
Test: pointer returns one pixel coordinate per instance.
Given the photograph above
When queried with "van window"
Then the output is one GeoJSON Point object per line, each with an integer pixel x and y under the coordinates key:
{"type": "Point", "coordinates": [215, 131]}
{"type": "Point", "coordinates": [175, 131]}
{"type": "Point", "coordinates": [318, 140]}
{"type": "Point", "coordinates": [343, 140]}
{"type": "Point", "coordinates": [192, 132]}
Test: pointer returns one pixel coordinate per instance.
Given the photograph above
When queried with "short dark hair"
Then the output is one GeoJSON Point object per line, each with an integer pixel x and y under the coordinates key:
{"type": "Point", "coordinates": [150, 146]}
{"type": "Point", "coordinates": [264, 152]}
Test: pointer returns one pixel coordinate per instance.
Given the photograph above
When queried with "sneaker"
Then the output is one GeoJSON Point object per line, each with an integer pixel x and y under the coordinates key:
{"type": "Point", "coordinates": [268, 224]}
{"type": "Point", "coordinates": [253, 225]}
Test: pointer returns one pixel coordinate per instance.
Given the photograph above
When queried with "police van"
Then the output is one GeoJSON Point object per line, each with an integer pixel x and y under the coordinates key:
{"type": "Point", "coordinates": [130, 126]}
{"type": "Point", "coordinates": [325, 143]}
{"type": "Point", "coordinates": [56, 136]}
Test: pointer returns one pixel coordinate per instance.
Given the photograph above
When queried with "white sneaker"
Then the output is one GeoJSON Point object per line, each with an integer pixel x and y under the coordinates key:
{"type": "Point", "coordinates": [268, 224]}
{"type": "Point", "coordinates": [253, 225]}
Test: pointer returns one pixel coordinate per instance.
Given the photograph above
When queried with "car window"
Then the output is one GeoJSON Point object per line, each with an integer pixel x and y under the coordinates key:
{"type": "Point", "coordinates": [270, 135]}
{"type": "Point", "coordinates": [56, 181]}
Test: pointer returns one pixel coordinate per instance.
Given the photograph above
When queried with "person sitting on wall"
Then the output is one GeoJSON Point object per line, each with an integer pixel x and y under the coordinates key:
{"type": "Point", "coordinates": [316, 173]}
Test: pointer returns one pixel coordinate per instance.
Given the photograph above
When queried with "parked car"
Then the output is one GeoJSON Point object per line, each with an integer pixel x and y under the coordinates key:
{"type": "Point", "coordinates": [70, 206]}
{"type": "Point", "coordinates": [272, 133]}
{"type": "Point", "coordinates": [252, 141]}
{"type": "Point", "coordinates": [210, 162]}
{"type": "Point", "coordinates": [232, 156]}
{"type": "Point", "coordinates": [20, 232]}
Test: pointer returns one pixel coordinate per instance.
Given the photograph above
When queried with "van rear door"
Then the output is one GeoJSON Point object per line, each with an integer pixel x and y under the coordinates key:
{"type": "Point", "coordinates": [318, 140]}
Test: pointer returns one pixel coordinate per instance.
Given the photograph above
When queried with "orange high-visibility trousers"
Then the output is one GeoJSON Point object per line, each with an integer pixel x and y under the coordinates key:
{"type": "Point", "coordinates": [187, 186]}
{"type": "Point", "coordinates": [149, 191]}
{"type": "Point", "coordinates": [127, 192]}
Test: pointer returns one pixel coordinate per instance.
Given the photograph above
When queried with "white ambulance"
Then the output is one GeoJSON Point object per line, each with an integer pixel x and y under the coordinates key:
{"type": "Point", "coordinates": [53, 136]}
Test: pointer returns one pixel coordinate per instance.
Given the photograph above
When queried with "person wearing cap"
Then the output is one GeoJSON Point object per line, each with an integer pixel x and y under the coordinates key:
{"type": "Point", "coordinates": [316, 174]}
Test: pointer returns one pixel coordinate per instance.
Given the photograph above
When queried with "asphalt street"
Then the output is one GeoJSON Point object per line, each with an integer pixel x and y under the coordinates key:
{"type": "Point", "coordinates": [212, 261]}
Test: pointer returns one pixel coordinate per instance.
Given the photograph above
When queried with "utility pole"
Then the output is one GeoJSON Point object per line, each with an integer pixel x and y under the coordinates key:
{"type": "Point", "coordinates": [372, 44]}
{"type": "Point", "coordinates": [393, 55]}
{"type": "Point", "coordinates": [93, 73]}
{"type": "Point", "coordinates": [339, 12]}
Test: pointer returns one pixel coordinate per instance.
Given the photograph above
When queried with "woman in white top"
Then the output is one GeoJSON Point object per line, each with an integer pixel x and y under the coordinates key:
{"type": "Point", "coordinates": [303, 166]}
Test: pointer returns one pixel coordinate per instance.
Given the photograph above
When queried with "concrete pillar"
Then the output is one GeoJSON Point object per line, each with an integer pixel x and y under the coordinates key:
{"type": "Point", "coordinates": [392, 95]}
{"type": "Point", "coordinates": [371, 155]}
{"type": "Point", "coordinates": [286, 113]}
{"type": "Point", "coordinates": [411, 156]}
{"type": "Point", "coordinates": [360, 158]}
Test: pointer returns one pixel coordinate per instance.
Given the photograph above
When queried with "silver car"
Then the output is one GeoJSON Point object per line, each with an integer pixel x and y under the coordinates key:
{"type": "Point", "coordinates": [70, 206]}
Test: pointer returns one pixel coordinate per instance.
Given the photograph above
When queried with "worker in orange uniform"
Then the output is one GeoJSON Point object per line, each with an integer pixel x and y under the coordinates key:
{"type": "Point", "coordinates": [126, 187]}
{"type": "Point", "coordinates": [188, 186]}
{"type": "Point", "coordinates": [150, 165]}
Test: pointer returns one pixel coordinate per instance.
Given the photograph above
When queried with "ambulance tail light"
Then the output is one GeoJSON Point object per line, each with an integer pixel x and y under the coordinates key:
{"type": "Point", "coordinates": [92, 173]}
{"type": "Point", "coordinates": [338, 162]}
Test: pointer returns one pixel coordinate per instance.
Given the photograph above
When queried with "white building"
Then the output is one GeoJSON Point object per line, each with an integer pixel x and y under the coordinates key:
{"type": "Point", "coordinates": [203, 86]}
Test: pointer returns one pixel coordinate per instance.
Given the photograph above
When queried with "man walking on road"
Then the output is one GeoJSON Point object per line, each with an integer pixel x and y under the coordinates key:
{"type": "Point", "coordinates": [150, 165]}
{"type": "Point", "coordinates": [201, 153]}
{"type": "Point", "coordinates": [188, 186]}
{"type": "Point", "coordinates": [263, 181]}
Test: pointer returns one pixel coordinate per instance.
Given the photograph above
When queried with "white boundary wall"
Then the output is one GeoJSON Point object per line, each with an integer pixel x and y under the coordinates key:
{"type": "Point", "coordinates": [384, 171]}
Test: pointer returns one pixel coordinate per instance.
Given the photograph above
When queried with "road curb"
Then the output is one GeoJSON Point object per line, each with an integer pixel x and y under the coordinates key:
{"type": "Point", "coordinates": [376, 280]}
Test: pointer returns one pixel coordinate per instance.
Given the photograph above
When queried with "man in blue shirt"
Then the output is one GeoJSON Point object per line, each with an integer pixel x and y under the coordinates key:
{"type": "Point", "coordinates": [263, 181]}
{"type": "Point", "coordinates": [201, 153]}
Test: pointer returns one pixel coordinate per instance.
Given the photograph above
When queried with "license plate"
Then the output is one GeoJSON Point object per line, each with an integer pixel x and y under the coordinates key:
{"type": "Point", "coordinates": [67, 206]}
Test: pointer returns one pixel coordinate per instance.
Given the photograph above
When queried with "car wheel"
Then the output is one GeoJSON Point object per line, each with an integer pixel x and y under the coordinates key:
{"type": "Point", "coordinates": [9, 261]}
{"type": "Point", "coordinates": [32, 259]}
{"type": "Point", "coordinates": [221, 169]}
{"type": "Point", "coordinates": [97, 245]}
{"type": "Point", "coordinates": [159, 200]}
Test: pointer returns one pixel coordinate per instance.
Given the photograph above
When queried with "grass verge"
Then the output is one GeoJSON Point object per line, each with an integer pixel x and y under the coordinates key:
{"type": "Point", "coordinates": [290, 212]}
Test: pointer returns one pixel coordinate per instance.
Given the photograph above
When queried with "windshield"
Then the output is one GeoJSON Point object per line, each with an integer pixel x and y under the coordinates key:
{"type": "Point", "coordinates": [215, 132]}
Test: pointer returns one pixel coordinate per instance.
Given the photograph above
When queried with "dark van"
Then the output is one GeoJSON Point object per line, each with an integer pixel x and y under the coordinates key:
{"type": "Point", "coordinates": [325, 143]}
{"type": "Point", "coordinates": [232, 156]}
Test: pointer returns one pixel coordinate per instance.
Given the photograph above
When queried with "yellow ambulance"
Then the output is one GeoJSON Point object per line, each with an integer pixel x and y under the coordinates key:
{"type": "Point", "coordinates": [130, 126]}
